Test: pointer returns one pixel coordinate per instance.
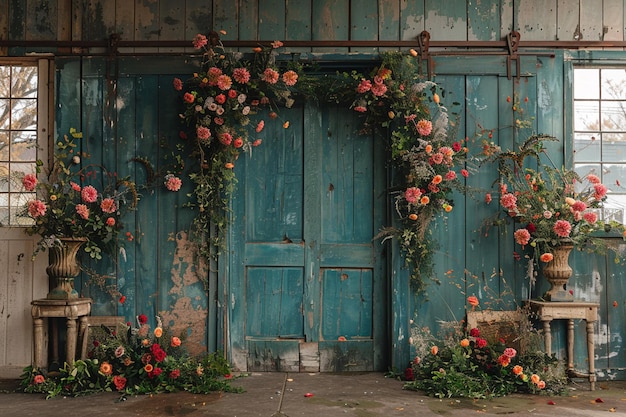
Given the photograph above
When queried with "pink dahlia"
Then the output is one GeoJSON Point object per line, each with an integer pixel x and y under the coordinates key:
{"type": "Point", "coordinates": [562, 228]}
{"type": "Point", "coordinates": [600, 191]}
{"type": "Point", "coordinates": [30, 182]}
{"type": "Point", "coordinates": [173, 183]}
{"type": "Point", "coordinates": [522, 236]}
{"type": "Point", "coordinates": [36, 208]}
{"type": "Point", "coordinates": [82, 211]}
{"type": "Point", "coordinates": [199, 41]}
{"type": "Point", "coordinates": [290, 78]}
{"type": "Point", "coordinates": [108, 205]}
{"type": "Point", "coordinates": [424, 127]}
{"type": "Point", "coordinates": [270, 76]}
{"type": "Point", "coordinates": [590, 217]}
{"type": "Point", "coordinates": [89, 194]}
{"type": "Point", "coordinates": [508, 201]}
{"type": "Point", "coordinates": [241, 75]}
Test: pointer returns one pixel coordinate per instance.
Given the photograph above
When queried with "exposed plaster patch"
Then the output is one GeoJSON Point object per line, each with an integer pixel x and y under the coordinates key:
{"type": "Point", "coordinates": [187, 317]}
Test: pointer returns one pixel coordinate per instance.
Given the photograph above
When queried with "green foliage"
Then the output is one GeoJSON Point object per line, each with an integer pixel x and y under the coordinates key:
{"type": "Point", "coordinates": [134, 361]}
{"type": "Point", "coordinates": [473, 367]}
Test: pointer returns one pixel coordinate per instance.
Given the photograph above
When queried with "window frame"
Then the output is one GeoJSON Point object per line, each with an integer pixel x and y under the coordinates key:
{"type": "Point", "coordinates": [45, 124]}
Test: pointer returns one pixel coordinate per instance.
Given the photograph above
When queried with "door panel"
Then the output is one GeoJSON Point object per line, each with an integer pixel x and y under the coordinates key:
{"type": "Point", "coordinates": [310, 276]}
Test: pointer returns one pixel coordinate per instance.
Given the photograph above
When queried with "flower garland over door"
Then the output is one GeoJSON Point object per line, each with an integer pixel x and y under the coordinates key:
{"type": "Point", "coordinates": [218, 107]}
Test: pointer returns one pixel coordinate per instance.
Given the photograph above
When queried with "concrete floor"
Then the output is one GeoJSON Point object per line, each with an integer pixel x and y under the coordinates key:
{"type": "Point", "coordinates": [282, 395]}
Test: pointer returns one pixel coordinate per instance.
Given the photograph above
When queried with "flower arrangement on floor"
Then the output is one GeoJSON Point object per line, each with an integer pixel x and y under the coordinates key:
{"type": "Point", "coordinates": [77, 200]}
{"type": "Point", "coordinates": [134, 361]}
{"type": "Point", "coordinates": [218, 107]}
{"type": "Point", "coordinates": [553, 207]}
{"type": "Point", "coordinates": [467, 363]}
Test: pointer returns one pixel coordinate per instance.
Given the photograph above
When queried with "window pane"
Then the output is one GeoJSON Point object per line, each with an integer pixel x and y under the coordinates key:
{"type": "Point", "coordinates": [586, 147]}
{"type": "Point", "coordinates": [24, 146]}
{"type": "Point", "coordinates": [585, 169]}
{"type": "Point", "coordinates": [614, 175]}
{"type": "Point", "coordinates": [5, 81]}
{"type": "Point", "coordinates": [4, 146]}
{"type": "Point", "coordinates": [4, 114]}
{"type": "Point", "coordinates": [24, 114]}
{"type": "Point", "coordinates": [586, 116]}
{"type": "Point", "coordinates": [4, 178]}
{"type": "Point", "coordinates": [24, 82]}
{"type": "Point", "coordinates": [586, 83]}
{"type": "Point", "coordinates": [613, 84]}
{"type": "Point", "coordinates": [614, 147]}
{"type": "Point", "coordinates": [613, 115]}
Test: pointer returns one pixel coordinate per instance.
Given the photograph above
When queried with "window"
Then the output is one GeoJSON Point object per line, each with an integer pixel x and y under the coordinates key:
{"type": "Point", "coordinates": [600, 132]}
{"type": "Point", "coordinates": [19, 115]}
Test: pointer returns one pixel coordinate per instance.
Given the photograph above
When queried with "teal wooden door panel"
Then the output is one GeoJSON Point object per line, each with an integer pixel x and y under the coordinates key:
{"type": "Point", "coordinates": [305, 275]}
{"type": "Point", "coordinates": [347, 298]}
{"type": "Point", "coordinates": [274, 302]}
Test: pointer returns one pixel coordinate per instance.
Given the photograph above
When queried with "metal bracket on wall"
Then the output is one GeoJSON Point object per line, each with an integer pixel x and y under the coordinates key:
{"type": "Point", "coordinates": [512, 42]}
{"type": "Point", "coordinates": [424, 44]}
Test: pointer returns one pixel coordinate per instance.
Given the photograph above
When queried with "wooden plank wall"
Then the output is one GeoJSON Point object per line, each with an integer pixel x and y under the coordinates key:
{"type": "Point", "coordinates": [161, 286]}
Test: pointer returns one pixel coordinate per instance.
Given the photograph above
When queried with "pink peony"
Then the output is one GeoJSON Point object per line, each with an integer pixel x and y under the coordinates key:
{"type": "Point", "coordinates": [189, 98]}
{"type": "Point", "coordinates": [579, 206]}
{"type": "Point", "coordinates": [412, 195]}
{"type": "Point", "coordinates": [36, 208]}
{"type": "Point", "coordinates": [360, 109]}
{"type": "Point", "coordinates": [450, 175]}
{"type": "Point", "coordinates": [590, 217]}
{"type": "Point", "coordinates": [203, 133]}
{"type": "Point", "coordinates": [379, 89]}
{"type": "Point", "coordinates": [226, 138]}
{"type": "Point", "coordinates": [364, 86]}
{"type": "Point", "coordinates": [199, 41]}
{"type": "Point", "coordinates": [30, 182]}
{"type": "Point", "coordinates": [178, 84]}
{"type": "Point", "coordinates": [89, 194]}
{"type": "Point", "coordinates": [110, 221]}
{"type": "Point", "coordinates": [260, 126]}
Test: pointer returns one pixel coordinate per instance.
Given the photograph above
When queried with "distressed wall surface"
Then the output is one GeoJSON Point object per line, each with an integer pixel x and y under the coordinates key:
{"type": "Point", "coordinates": [158, 274]}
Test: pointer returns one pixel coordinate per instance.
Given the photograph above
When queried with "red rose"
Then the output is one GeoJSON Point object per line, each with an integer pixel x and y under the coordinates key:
{"type": "Point", "coordinates": [142, 318]}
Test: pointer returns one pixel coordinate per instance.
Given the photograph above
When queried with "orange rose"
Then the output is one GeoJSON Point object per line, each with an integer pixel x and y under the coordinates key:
{"type": "Point", "coordinates": [534, 378]}
{"type": "Point", "coordinates": [413, 216]}
{"type": "Point", "coordinates": [176, 341]}
{"type": "Point", "coordinates": [158, 332]}
{"type": "Point", "coordinates": [434, 350]}
{"type": "Point", "coordinates": [148, 368]}
{"type": "Point", "coordinates": [437, 179]}
{"type": "Point", "coordinates": [517, 370]}
{"type": "Point", "coordinates": [465, 343]}
{"type": "Point", "coordinates": [546, 257]}
{"type": "Point", "coordinates": [424, 200]}
{"type": "Point", "coordinates": [229, 165]}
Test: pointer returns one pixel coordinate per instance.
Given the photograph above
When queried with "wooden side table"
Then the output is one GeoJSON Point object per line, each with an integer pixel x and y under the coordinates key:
{"type": "Point", "coordinates": [72, 310]}
{"type": "Point", "coordinates": [548, 311]}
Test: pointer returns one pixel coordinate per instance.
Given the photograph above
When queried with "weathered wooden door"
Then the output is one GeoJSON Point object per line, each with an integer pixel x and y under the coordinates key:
{"type": "Point", "coordinates": [306, 284]}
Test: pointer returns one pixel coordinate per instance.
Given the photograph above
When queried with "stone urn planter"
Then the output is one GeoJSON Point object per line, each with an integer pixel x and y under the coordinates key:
{"type": "Point", "coordinates": [63, 268]}
{"type": "Point", "coordinates": [558, 272]}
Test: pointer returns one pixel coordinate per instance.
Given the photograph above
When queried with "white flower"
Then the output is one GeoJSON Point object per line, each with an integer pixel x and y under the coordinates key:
{"type": "Point", "coordinates": [241, 98]}
{"type": "Point", "coordinates": [245, 111]}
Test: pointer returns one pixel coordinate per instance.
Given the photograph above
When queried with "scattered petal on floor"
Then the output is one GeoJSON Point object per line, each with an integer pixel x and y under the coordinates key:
{"type": "Point", "coordinates": [599, 400]}
{"type": "Point", "coordinates": [551, 402]}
